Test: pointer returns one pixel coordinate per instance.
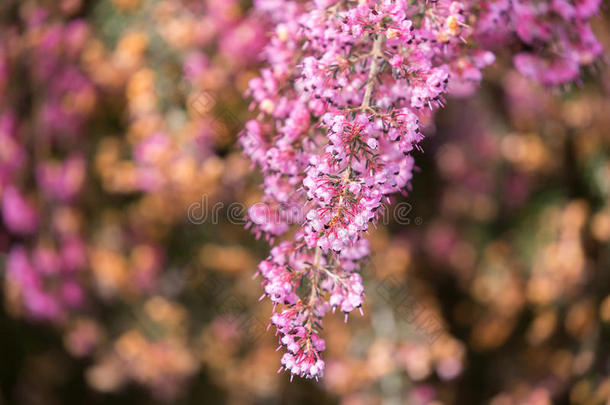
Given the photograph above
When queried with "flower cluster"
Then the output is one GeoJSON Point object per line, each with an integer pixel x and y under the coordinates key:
{"type": "Point", "coordinates": [557, 36]}
{"type": "Point", "coordinates": [341, 105]}
{"type": "Point", "coordinates": [100, 160]}
{"type": "Point", "coordinates": [46, 247]}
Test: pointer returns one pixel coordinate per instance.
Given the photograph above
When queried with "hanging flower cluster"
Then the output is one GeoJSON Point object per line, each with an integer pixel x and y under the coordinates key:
{"type": "Point", "coordinates": [347, 88]}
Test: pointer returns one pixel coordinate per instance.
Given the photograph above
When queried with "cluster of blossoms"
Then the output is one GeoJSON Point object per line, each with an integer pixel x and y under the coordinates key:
{"type": "Point", "coordinates": [557, 36]}
{"type": "Point", "coordinates": [100, 161]}
{"type": "Point", "coordinates": [58, 75]}
{"type": "Point", "coordinates": [41, 231]}
{"type": "Point", "coordinates": [341, 104]}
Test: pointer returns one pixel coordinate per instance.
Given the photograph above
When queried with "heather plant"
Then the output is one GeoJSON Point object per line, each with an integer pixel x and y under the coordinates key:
{"type": "Point", "coordinates": [341, 105]}
{"type": "Point", "coordinates": [117, 116]}
{"type": "Point", "coordinates": [99, 161]}
{"type": "Point", "coordinates": [42, 164]}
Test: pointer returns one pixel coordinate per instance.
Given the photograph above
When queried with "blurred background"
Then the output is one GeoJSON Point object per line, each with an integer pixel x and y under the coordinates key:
{"type": "Point", "coordinates": [127, 271]}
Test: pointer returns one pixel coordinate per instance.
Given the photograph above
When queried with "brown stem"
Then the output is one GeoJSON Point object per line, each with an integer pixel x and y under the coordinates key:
{"type": "Point", "coordinates": [375, 54]}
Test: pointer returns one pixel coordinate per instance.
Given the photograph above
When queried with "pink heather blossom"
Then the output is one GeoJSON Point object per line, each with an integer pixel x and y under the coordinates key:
{"type": "Point", "coordinates": [558, 29]}
{"type": "Point", "coordinates": [18, 213]}
{"type": "Point", "coordinates": [12, 153]}
{"type": "Point", "coordinates": [340, 105]}
{"type": "Point", "coordinates": [46, 277]}
{"type": "Point", "coordinates": [43, 166]}
{"type": "Point", "coordinates": [62, 181]}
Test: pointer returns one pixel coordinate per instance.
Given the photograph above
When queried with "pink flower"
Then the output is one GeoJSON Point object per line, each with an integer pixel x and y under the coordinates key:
{"type": "Point", "coordinates": [18, 213]}
{"type": "Point", "coordinates": [62, 181]}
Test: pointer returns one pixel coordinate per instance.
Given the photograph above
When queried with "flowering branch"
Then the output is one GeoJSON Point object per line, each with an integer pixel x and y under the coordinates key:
{"type": "Point", "coordinates": [340, 107]}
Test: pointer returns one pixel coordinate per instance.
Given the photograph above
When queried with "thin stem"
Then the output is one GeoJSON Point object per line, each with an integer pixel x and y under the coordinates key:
{"type": "Point", "coordinates": [374, 69]}
{"type": "Point", "coordinates": [375, 53]}
{"type": "Point", "coordinates": [316, 268]}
